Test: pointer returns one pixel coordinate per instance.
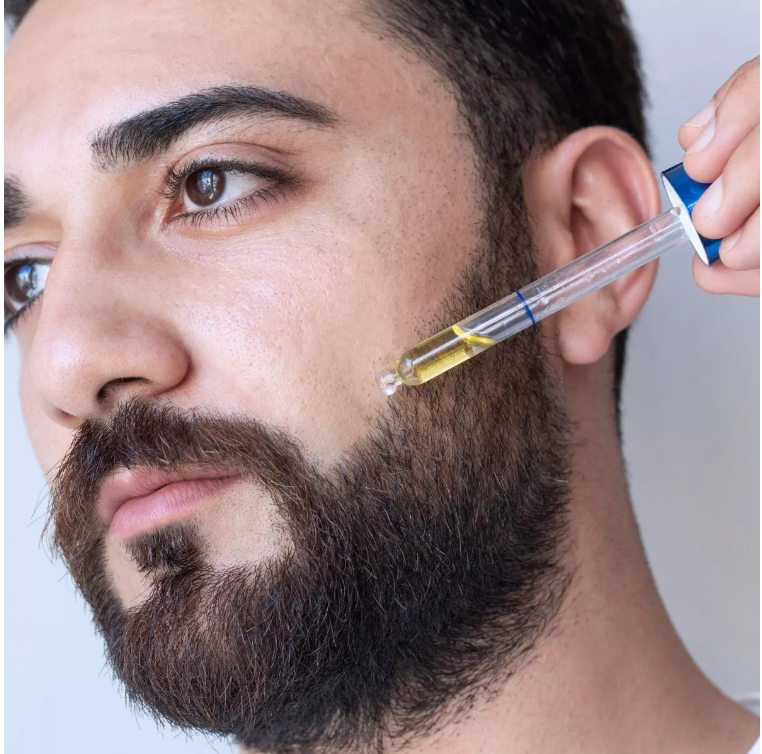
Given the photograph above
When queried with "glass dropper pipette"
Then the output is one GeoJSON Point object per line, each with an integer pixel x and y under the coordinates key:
{"type": "Point", "coordinates": [558, 289]}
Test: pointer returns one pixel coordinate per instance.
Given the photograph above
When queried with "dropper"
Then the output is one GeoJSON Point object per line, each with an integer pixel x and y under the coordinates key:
{"type": "Point", "coordinates": [538, 300]}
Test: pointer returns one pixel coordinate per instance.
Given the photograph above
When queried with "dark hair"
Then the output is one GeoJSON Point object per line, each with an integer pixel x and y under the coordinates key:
{"type": "Point", "coordinates": [526, 74]}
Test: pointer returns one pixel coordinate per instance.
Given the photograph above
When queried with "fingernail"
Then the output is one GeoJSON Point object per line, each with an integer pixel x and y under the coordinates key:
{"type": "Point", "coordinates": [711, 200]}
{"type": "Point", "coordinates": [730, 241]}
{"type": "Point", "coordinates": [703, 139]}
{"type": "Point", "coordinates": [702, 117]}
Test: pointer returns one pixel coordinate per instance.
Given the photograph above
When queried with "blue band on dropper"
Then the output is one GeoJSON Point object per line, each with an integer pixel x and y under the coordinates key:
{"type": "Point", "coordinates": [526, 306]}
{"type": "Point", "coordinates": [684, 192]}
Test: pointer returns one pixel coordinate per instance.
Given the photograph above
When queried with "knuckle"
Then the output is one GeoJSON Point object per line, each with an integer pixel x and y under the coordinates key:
{"type": "Point", "coordinates": [741, 95]}
{"type": "Point", "coordinates": [748, 74]}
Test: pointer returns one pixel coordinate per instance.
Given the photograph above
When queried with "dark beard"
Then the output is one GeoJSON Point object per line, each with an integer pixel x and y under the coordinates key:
{"type": "Point", "coordinates": [418, 573]}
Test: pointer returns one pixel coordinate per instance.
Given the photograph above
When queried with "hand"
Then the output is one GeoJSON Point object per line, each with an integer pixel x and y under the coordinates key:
{"type": "Point", "coordinates": [722, 148]}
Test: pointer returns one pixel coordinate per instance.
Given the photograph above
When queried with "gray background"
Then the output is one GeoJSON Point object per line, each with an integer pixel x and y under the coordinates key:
{"type": "Point", "coordinates": [691, 429]}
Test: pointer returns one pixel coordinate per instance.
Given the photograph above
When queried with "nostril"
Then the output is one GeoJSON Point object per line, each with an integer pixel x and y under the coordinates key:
{"type": "Point", "coordinates": [113, 385]}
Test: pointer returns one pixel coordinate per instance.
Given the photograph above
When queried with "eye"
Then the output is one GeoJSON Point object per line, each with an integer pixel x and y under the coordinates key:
{"type": "Point", "coordinates": [205, 187]}
{"type": "Point", "coordinates": [213, 191]}
{"type": "Point", "coordinates": [24, 281]}
{"type": "Point", "coordinates": [214, 185]}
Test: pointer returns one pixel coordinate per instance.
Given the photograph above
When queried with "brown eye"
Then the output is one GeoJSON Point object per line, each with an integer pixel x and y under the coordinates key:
{"type": "Point", "coordinates": [205, 187]}
{"type": "Point", "coordinates": [24, 280]}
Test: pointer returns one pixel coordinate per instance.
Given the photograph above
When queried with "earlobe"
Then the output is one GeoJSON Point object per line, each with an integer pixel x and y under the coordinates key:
{"type": "Point", "coordinates": [591, 188]}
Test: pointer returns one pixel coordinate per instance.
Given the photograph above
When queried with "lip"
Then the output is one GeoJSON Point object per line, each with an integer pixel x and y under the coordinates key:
{"type": "Point", "coordinates": [134, 501]}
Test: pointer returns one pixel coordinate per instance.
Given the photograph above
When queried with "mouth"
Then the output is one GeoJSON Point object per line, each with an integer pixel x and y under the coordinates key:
{"type": "Point", "coordinates": [135, 501]}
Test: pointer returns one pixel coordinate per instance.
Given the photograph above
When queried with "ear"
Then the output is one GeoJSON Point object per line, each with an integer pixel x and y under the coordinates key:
{"type": "Point", "coordinates": [589, 189]}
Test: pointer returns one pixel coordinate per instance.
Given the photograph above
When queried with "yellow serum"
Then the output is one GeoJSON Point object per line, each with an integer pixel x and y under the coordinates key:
{"type": "Point", "coordinates": [439, 353]}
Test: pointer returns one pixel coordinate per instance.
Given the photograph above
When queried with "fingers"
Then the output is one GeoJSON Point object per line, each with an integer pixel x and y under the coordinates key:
{"type": "Point", "coordinates": [722, 149]}
{"type": "Point", "coordinates": [723, 90]}
{"type": "Point", "coordinates": [740, 250]}
{"type": "Point", "coordinates": [734, 196]}
{"type": "Point", "coordinates": [715, 132]}
{"type": "Point", "coordinates": [695, 124]}
{"type": "Point", "coordinates": [719, 279]}
{"type": "Point", "coordinates": [690, 130]}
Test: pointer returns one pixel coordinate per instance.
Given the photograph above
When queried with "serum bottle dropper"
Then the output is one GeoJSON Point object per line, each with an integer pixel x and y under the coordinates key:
{"type": "Point", "coordinates": [532, 303]}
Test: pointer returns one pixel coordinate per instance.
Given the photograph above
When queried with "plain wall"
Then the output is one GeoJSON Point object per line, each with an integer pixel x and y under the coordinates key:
{"type": "Point", "coordinates": [691, 435]}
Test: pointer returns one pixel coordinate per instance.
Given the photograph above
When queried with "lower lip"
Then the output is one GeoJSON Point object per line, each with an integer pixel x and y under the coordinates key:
{"type": "Point", "coordinates": [167, 505]}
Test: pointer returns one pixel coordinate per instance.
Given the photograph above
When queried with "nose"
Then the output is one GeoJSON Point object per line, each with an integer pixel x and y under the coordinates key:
{"type": "Point", "coordinates": [103, 336]}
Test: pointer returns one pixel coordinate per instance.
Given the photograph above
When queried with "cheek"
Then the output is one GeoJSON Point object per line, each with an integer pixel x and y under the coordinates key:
{"type": "Point", "coordinates": [296, 335]}
{"type": "Point", "coordinates": [296, 340]}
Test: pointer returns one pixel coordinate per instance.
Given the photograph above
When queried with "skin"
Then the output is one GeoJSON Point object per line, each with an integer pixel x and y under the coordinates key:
{"type": "Point", "coordinates": [722, 143]}
{"type": "Point", "coordinates": [274, 315]}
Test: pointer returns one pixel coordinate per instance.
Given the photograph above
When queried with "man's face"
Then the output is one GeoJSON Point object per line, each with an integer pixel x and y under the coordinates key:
{"type": "Point", "coordinates": [247, 274]}
{"type": "Point", "coordinates": [282, 311]}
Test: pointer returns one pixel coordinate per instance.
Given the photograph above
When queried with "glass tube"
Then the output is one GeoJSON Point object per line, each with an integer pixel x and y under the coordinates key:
{"type": "Point", "coordinates": [535, 301]}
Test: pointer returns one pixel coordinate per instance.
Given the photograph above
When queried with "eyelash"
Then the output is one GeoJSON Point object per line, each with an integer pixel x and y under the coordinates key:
{"type": "Point", "coordinates": [282, 181]}
{"type": "Point", "coordinates": [232, 210]}
{"type": "Point", "coordinates": [11, 322]}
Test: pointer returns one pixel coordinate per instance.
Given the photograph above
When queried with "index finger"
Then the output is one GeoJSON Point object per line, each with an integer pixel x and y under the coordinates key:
{"type": "Point", "coordinates": [736, 115]}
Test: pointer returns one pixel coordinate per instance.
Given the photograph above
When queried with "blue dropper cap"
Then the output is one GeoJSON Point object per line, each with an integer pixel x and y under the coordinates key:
{"type": "Point", "coordinates": [684, 192]}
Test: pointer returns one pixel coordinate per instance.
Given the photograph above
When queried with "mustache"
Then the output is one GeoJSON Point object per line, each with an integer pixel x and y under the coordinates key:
{"type": "Point", "coordinates": [143, 434]}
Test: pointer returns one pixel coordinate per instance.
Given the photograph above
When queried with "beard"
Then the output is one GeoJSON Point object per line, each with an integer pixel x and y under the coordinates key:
{"type": "Point", "coordinates": [417, 573]}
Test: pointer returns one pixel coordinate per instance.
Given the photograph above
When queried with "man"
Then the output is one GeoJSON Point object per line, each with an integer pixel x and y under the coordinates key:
{"type": "Point", "coordinates": [238, 213]}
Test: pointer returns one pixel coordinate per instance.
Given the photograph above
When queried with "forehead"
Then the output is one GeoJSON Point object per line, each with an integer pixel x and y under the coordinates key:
{"type": "Point", "coordinates": [77, 65]}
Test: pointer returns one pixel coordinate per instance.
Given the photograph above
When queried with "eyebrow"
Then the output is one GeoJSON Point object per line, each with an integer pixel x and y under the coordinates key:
{"type": "Point", "coordinates": [16, 204]}
{"type": "Point", "coordinates": [150, 133]}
